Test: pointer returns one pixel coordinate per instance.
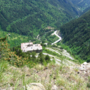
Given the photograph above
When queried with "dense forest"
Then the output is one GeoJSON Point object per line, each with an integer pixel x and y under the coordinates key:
{"type": "Point", "coordinates": [76, 34]}
{"type": "Point", "coordinates": [28, 17]}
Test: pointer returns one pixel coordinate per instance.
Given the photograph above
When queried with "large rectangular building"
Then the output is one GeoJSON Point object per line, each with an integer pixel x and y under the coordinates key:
{"type": "Point", "coordinates": [29, 47]}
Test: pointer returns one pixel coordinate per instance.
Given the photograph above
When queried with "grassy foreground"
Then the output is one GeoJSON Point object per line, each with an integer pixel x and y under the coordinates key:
{"type": "Point", "coordinates": [18, 71]}
{"type": "Point", "coordinates": [64, 77]}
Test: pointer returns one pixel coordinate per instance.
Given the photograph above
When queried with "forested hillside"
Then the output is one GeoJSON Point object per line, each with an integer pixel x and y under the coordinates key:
{"type": "Point", "coordinates": [28, 17]}
{"type": "Point", "coordinates": [76, 34]}
{"type": "Point", "coordinates": [81, 4]}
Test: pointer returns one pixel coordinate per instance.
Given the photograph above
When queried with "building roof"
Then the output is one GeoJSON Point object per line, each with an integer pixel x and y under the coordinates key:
{"type": "Point", "coordinates": [25, 47]}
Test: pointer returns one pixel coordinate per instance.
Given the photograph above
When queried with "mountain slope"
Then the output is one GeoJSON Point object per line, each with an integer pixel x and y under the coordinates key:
{"type": "Point", "coordinates": [18, 70]}
{"type": "Point", "coordinates": [28, 17]}
{"type": "Point", "coordinates": [81, 4]}
{"type": "Point", "coordinates": [77, 35]}
{"type": "Point", "coordinates": [86, 10]}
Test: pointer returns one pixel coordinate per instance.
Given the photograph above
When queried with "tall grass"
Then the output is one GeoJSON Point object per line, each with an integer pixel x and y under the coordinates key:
{"type": "Point", "coordinates": [3, 68]}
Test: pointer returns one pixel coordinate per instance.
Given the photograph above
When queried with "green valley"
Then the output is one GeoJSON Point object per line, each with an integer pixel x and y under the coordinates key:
{"type": "Point", "coordinates": [44, 45]}
{"type": "Point", "coordinates": [28, 17]}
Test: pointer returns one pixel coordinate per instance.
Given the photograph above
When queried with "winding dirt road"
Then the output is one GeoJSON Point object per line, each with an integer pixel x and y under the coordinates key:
{"type": "Point", "coordinates": [55, 33]}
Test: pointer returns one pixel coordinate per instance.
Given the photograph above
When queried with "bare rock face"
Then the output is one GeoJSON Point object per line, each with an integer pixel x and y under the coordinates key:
{"type": "Point", "coordinates": [54, 87]}
{"type": "Point", "coordinates": [35, 86]}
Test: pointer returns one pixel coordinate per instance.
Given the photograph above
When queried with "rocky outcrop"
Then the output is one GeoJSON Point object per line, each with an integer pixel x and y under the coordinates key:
{"type": "Point", "coordinates": [35, 86]}
{"type": "Point", "coordinates": [54, 87]}
{"type": "Point", "coordinates": [85, 69]}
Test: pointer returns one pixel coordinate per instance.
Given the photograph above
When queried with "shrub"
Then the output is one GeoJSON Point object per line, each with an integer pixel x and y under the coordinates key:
{"type": "Point", "coordinates": [47, 58]}
{"type": "Point", "coordinates": [88, 84]}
